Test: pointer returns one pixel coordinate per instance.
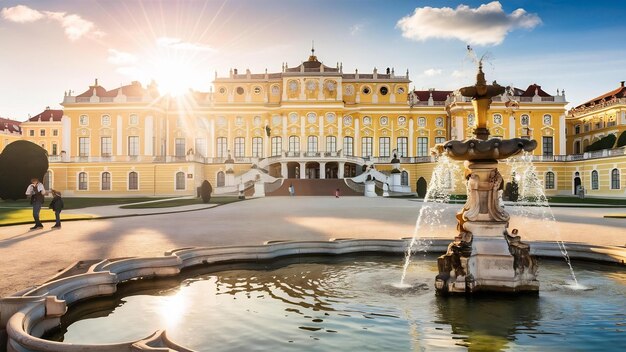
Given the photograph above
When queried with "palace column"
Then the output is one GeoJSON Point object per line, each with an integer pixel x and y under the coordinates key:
{"type": "Point", "coordinates": [322, 170]}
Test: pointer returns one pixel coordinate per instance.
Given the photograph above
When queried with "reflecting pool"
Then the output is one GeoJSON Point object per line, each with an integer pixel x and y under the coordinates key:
{"type": "Point", "coordinates": [355, 304]}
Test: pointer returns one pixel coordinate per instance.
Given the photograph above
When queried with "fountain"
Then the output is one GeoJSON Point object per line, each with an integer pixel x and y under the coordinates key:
{"type": "Point", "coordinates": [485, 256]}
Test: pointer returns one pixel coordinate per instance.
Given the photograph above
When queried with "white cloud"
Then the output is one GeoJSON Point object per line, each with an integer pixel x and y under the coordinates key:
{"type": "Point", "coordinates": [178, 44]}
{"type": "Point", "coordinates": [432, 72]}
{"type": "Point", "coordinates": [486, 25]}
{"type": "Point", "coordinates": [21, 14]}
{"type": "Point", "coordinates": [459, 74]}
{"type": "Point", "coordinates": [75, 27]}
{"type": "Point", "coordinates": [356, 29]}
{"type": "Point", "coordinates": [117, 57]}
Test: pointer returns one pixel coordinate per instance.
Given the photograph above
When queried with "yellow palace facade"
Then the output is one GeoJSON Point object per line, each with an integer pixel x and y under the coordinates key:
{"type": "Point", "coordinates": [304, 122]}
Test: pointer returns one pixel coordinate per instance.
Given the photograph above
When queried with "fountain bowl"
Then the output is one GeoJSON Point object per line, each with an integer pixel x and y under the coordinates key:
{"type": "Point", "coordinates": [491, 149]}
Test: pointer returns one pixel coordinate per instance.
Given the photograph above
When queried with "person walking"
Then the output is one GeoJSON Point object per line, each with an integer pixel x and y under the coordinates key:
{"type": "Point", "coordinates": [292, 190]}
{"type": "Point", "coordinates": [337, 193]}
{"type": "Point", "coordinates": [56, 205]}
{"type": "Point", "coordinates": [36, 191]}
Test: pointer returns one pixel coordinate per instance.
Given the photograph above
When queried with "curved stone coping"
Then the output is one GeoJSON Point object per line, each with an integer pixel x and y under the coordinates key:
{"type": "Point", "coordinates": [30, 315]}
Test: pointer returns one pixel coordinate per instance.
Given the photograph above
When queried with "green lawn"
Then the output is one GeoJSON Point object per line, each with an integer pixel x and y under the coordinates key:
{"type": "Point", "coordinates": [180, 202]}
{"type": "Point", "coordinates": [18, 216]}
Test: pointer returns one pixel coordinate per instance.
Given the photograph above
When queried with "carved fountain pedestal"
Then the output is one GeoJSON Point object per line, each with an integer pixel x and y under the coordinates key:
{"type": "Point", "coordinates": [485, 256]}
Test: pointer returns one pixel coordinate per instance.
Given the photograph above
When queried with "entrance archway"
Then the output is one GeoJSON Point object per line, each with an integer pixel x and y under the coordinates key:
{"type": "Point", "coordinates": [349, 170]}
{"type": "Point", "coordinates": [312, 170]}
{"type": "Point", "coordinates": [577, 183]}
{"type": "Point", "coordinates": [275, 170]}
{"type": "Point", "coordinates": [293, 170]}
{"type": "Point", "coordinates": [332, 170]}
{"type": "Point", "coordinates": [221, 179]}
{"type": "Point", "coordinates": [421, 187]}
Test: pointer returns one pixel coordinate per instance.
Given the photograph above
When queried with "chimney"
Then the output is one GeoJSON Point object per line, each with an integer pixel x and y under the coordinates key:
{"type": "Point", "coordinates": [621, 84]}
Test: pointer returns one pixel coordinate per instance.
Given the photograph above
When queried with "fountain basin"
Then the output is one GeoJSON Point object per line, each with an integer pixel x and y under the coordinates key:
{"type": "Point", "coordinates": [491, 149]}
{"type": "Point", "coordinates": [29, 315]}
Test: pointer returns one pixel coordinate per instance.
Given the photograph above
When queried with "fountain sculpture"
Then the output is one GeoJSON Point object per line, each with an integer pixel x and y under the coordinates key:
{"type": "Point", "coordinates": [484, 256]}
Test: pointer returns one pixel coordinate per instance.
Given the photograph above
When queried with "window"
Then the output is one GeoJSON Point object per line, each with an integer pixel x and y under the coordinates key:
{"type": "Point", "coordinates": [55, 133]}
{"type": "Point", "coordinates": [577, 129]}
{"type": "Point", "coordinates": [577, 147]}
{"type": "Point", "coordinates": [133, 181]}
{"type": "Point", "coordinates": [404, 178]}
{"type": "Point", "coordinates": [615, 182]}
{"type": "Point", "coordinates": [83, 120]}
{"type": "Point", "coordinates": [548, 146]}
{"type": "Point", "coordinates": [547, 119]}
{"type": "Point", "coordinates": [240, 90]}
{"type": "Point", "coordinates": [106, 146]}
{"type": "Point", "coordinates": [497, 119]}
{"type": "Point", "coordinates": [31, 133]}
{"type": "Point", "coordinates": [422, 146]}
{"type": "Point", "coordinates": [277, 146]}
{"type": "Point", "coordinates": [180, 147]}
{"type": "Point", "coordinates": [439, 122]}
{"type": "Point", "coordinates": [106, 181]}
{"type": "Point", "coordinates": [440, 140]}
{"type": "Point", "coordinates": [594, 180]}
{"type": "Point", "coordinates": [384, 90]}
{"type": "Point", "coordinates": [331, 144]}
{"type": "Point", "coordinates": [421, 121]}
{"type": "Point", "coordinates": [42, 133]}
{"type": "Point", "coordinates": [366, 147]}
{"type": "Point", "coordinates": [180, 181]}
{"type": "Point", "coordinates": [222, 147]}
{"type": "Point", "coordinates": [83, 146]}
{"type": "Point", "coordinates": [312, 144]}
{"type": "Point", "coordinates": [82, 181]}
{"type": "Point", "coordinates": [239, 147]}
{"type": "Point", "coordinates": [403, 143]}
{"type": "Point", "coordinates": [348, 146]}
{"type": "Point", "coordinates": [133, 145]}
{"type": "Point", "coordinates": [294, 144]}
{"type": "Point", "coordinates": [106, 120]}
{"type": "Point", "coordinates": [525, 120]}
{"type": "Point", "coordinates": [257, 147]}
{"type": "Point", "coordinates": [54, 149]}
{"type": "Point", "coordinates": [221, 179]}
{"type": "Point", "coordinates": [586, 127]}
{"type": "Point", "coordinates": [201, 147]}
{"type": "Point", "coordinates": [549, 180]}
{"type": "Point", "coordinates": [383, 147]}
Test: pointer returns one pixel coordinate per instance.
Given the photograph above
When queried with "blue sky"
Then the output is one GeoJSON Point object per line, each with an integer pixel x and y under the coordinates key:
{"type": "Point", "coordinates": [53, 46]}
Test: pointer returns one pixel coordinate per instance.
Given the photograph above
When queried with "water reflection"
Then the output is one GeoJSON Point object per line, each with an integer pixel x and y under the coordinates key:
{"type": "Point", "coordinates": [351, 304]}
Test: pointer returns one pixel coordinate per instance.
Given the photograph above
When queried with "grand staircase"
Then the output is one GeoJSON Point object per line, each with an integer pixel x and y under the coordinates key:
{"type": "Point", "coordinates": [314, 187]}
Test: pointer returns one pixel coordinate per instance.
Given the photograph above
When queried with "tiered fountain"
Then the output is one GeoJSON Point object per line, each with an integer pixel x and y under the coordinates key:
{"type": "Point", "coordinates": [485, 256]}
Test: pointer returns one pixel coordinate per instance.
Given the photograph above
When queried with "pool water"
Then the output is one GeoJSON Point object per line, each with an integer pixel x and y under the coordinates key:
{"type": "Point", "coordinates": [354, 304]}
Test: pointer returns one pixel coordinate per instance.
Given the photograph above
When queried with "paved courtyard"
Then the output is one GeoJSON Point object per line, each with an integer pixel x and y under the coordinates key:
{"type": "Point", "coordinates": [28, 257]}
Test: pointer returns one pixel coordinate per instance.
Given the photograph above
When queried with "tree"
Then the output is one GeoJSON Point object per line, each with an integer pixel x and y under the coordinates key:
{"type": "Point", "coordinates": [205, 191]}
{"type": "Point", "coordinates": [19, 163]}
{"type": "Point", "coordinates": [622, 140]}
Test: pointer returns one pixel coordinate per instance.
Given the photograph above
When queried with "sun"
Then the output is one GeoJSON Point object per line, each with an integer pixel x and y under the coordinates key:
{"type": "Point", "coordinates": [174, 76]}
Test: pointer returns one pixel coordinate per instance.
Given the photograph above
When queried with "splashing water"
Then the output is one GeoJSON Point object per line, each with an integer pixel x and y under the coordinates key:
{"type": "Point", "coordinates": [534, 203]}
{"type": "Point", "coordinates": [437, 197]}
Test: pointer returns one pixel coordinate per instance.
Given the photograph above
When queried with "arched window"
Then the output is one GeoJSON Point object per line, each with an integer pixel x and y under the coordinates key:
{"type": "Point", "coordinates": [46, 180]}
{"type": "Point", "coordinates": [547, 119]}
{"type": "Point", "coordinates": [525, 120]}
{"type": "Point", "coordinates": [82, 181]}
{"type": "Point", "coordinates": [133, 181]}
{"type": "Point", "coordinates": [549, 180]}
{"type": "Point", "coordinates": [577, 147]}
{"type": "Point", "coordinates": [348, 146]}
{"type": "Point", "coordinates": [180, 181]}
{"type": "Point", "coordinates": [277, 146]}
{"type": "Point", "coordinates": [421, 121]}
{"type": "Point", "coordinates": [577, 129]}
{"type": "Point", "coordinates": [257, 147]}
{"type": "Point", "coordinates": [294, 143]}
{"type": "Point", "coordinates": [404, 178]}
{"type": "Point", "coordinates": [106, 181]}
{"type": "Point", "coordinates": [615, 182]}
{"type": "Point", "coordinates": [594, 180]}
{"type": "Point", "coordinates": [221, 179]}
{"type": "Point", "coordinates": [312, 144]}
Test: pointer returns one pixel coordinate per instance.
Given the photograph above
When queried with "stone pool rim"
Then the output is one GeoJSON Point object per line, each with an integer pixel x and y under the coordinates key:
{"type": "Point", "coordinates": [27, 315]}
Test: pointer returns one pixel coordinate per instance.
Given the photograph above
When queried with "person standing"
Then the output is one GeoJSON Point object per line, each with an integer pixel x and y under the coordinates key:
{"type": "Point", "coordinates": [337, 193]}
{"type": "Point", "coordinates": [292, 190]}
{"type": "Point", "coordinates": [36, 191]}
{"type": "Point", "coordinates": [56, 205]}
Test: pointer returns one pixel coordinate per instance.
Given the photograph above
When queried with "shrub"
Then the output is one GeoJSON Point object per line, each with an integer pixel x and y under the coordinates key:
{"type": "Point", "coordinates": [19, 162]}
{"type": "Point", "coordinates": [621, 141]}
{"type": "Point", "coordinates": [205, 191]}
{"type": "Point", "coordinates": [605, 142]}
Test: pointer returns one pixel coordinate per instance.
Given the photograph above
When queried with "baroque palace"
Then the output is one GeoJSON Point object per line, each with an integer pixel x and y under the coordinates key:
{"type": "Point", "coordinates": [260, 132]}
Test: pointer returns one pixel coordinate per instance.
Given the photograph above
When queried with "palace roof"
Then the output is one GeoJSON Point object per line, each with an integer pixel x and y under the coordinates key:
{"type": "Point", "coordinates": [47, 115]}
{"type": "Point", "coordinates": [438, 95]}
{"type": "Point", "coordinates": [135, 89]}
{"type": "Point", "coordinates": [619, 92]}
{"type": "Point", "coordinates": [533, 90]}
{"type": "Point", "coordinates": [9, 126]}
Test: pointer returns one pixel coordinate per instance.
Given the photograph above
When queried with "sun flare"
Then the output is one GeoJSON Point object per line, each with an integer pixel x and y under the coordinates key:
{"type": "Point", "coordinates": [174, 77]}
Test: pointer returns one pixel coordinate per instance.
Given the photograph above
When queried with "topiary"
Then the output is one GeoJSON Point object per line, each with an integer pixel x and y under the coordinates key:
{"type": "Point", "coordinates": [621, 141]}
{"type": "Point", "coordinates": [205, 191]}
{"type": "Point", "coordinates": [20, 161]}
